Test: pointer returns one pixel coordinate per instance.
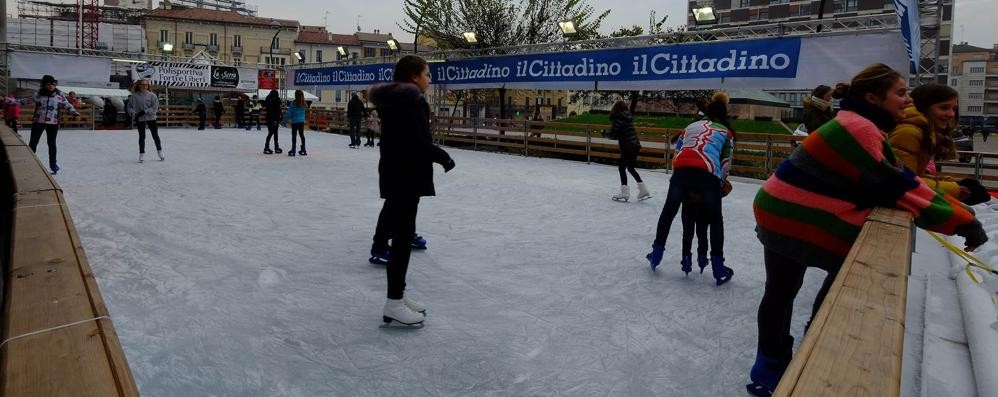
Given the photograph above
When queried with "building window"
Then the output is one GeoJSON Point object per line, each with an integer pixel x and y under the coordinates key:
{"type": "Point", "coordinates": [275, 61]}
{"type": "Point", "coordinates": [237, 61]}
{"type": "Point", "coordinates": [779, 1]}
{"type": "Point", "coordinates": [975, 95]}
{"type": "Point", "coordinates": [845, 5]}
{"type": "Point", "coordinates": [369, 52]}
{"type": "Point", "coordinates": [976, 83]}
{"type": "Point", "coordinates": [276, 44]}
{"type": "Point", "coordinates": [753, 15]}
{"type": "Point", "coordinates": [318, 56]}
{"type": "Point", "coordinates": [953, 82]}
{"type": "Point", "coordinates": [975, 109]}
{"type": "Point", "coordinates": [386, 52]}
{"type": "Point", "coordinates": [743, 3]}
{"type": "Point", "coordinates": [977, 69]}
{"type": "Point", "coordinates": [804, 10]}
{"type": "Point", "coordinates": [237, 41]}
{"type": "Point", "coordinates": [725, 18]}
{"type": "Point", "coordinates": [189, 38]}
{"type": "Point", "coordinates": [339, 96]}
{"type": "Point", "coordinates": [213, 39]}
{"type": "Point", "coordinates": [764, 15]}
{"type": "Point", "coordinates": [164, 36]}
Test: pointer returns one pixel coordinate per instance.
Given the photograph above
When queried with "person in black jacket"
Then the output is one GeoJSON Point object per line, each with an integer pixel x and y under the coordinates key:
{"type": "Point", "coordinates": [355, 113]}
{"type": "Point", "coordinates": [241, 112]}
{"type": "Point", "coordinates": [622, 129]}
{"type": "Point", "coordinates": [272, 104]}
{"type": "Point", "coordinates": [818, 108]}
{"type": "Point", "coordinates": [202, 111]}
{"type": "Point", "coordinates": [219, 110]}
{"type": "Point", "coordinates": [405, 172]}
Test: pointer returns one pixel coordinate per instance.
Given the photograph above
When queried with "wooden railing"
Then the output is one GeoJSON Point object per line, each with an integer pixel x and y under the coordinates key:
{"type": "Point", "coordinates": [58, 339]}
{"type": "Point", "coordinates": [855, 344]}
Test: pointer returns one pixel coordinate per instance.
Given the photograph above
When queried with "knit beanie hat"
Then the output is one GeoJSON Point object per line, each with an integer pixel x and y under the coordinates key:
{"type": "Point", "coordinates": [48, 79]}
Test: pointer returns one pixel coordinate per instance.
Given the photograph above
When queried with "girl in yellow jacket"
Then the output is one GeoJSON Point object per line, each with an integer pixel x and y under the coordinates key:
{"type": "Point", "coordinates": [925, 134]}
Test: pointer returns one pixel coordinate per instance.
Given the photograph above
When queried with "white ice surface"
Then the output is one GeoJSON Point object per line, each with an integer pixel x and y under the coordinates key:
{"type": "Point", "coordinates": [232, 273]}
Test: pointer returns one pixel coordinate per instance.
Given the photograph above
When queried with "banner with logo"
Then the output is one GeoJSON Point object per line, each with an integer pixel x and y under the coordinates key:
{"type": "Point", "coordinates": [195, 76]}
{"type": "Point", "coordinates": [908, 18]}
{"type": "Point", "coordinates": [778, 63]}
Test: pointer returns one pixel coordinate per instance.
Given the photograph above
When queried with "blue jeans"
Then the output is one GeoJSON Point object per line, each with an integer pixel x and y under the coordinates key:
{"type": "Point", "coordinates": [695, 180]}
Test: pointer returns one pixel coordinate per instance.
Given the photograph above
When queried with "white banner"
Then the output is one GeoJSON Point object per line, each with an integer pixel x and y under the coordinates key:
{"type": "Point", "coordinates": [28, 65]}
{"type": "Point", "coordinates": [173, 74]}
{"type": "Point", "coordinates": [249, 79]}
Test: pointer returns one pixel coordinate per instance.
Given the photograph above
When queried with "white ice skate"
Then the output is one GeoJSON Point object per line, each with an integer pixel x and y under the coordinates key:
{"type": "Point", "coordinates": [623, 196]}
{"type": "Point", "coordinates": [142, 157]}
{"type": "Point", "coordinates": [162, 157]}
{"type": "Point", "coordinates": [396, 312]}
{"type": "Point", "coordinates": [413, 305]}
{"type": "Point", "coordinates": [643, 193]}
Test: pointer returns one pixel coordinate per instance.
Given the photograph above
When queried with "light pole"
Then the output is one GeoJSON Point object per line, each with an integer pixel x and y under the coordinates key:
{"type": "Point", "coordinates": [276, 25]}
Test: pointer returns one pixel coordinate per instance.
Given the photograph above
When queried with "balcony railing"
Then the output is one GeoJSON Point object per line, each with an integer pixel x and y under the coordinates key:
{"type": "Point", "coordinates": [237, 49]}
{"type": "Point", "coordinates": [277, 51]}
{"type": "Point", "coordinates": [188, 46]}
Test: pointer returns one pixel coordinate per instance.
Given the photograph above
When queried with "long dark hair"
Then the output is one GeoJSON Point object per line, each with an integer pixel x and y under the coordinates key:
{"type": "Point", "coordinates": [820, 91]}
{"type": "Point", "coordinates": [924, 96]}
{"type": "Point", "coordinates": [407, 68]}
{"type": "Point", "coordinates": [273, 96]}
{"type": "Point", "coordinates": [618, 108]}
{"type": "Point", "coordinates": [717, 110]}
{"type": "Point", "coordinates": [299, 98]}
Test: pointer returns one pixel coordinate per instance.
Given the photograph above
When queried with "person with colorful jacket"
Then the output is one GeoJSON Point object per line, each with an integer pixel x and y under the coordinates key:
{"type": "Point", "coordinates": [296, 114]}
{"type": "Point", "coordinates": [701, 167]}
{"type": "Point", "coordinates": [622, 128]}
{"type": "Point", "coordinates": [373, 126]}
{"type": "Point", "coordinates": [11, 112]}
{"type": "Point", "coordinates": [143, 108]}
{"type": "Point", "coordinates": [810, 212]}
{"type": "Point", "coordinates": [925, 134]}
{"type": "Point", "coordinates": [48, 102]}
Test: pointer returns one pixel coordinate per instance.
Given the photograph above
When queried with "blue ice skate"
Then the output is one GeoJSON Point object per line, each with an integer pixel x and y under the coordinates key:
{"type": "Point", "coordinates": [722, 274]}
{"type": "Point", "coordinates": [418, 242]}
{"type": "Point", "coordinates": [687, 264]}
{"type": "Point", "coordinates": [766, 374]}
{"type": "Point", "coordinates": [655, 256]}
{"type": "Point", "coordinates": [379, 257]}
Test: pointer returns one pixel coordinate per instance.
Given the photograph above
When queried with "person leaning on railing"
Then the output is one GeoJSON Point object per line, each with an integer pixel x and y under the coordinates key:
{"type": "Point", "coordinates": [809, 213]}
{"type": "Point", "coordinates": [926, 134]}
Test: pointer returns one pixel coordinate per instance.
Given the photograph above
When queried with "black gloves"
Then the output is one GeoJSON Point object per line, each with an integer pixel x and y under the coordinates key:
{"type": "Point", "coordinates": [978, 194]}
{"type": "Point", "coordinates": [973, 234]}
{"type": "Point", "coordinates": [449, 165]}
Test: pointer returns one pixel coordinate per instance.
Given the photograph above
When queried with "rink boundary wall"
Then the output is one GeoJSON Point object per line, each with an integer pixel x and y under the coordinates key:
{"type": "Point", "coordinates": [59, 338]}
{"type": "Point", "coordinates": [856, 342]}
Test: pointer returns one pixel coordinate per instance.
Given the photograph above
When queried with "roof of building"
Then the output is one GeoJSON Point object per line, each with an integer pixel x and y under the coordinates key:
{"type": "Point", "coordinates": [203, 14]}
{"type": "Point", "coordinates": [344, 39]}
{"type": "Point", "coordinates": [753, 97]}
{"type": "Point", "coordinates": [963, 47]}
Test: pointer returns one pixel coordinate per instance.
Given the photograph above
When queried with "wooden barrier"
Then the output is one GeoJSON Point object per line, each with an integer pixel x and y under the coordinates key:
{"type": "Point", "coordinates": [58, 336]}
{"type": "Point", "coordinates": [855, 344]}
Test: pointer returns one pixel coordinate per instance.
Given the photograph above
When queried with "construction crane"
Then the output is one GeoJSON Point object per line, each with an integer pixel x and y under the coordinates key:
{"type": "Point", "coordinates": [88, 24]}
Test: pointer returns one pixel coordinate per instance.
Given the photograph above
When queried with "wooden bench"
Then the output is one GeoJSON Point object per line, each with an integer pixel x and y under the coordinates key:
{"type": "Point", "coordinates": [58, 336]}
{"type": "Point", "coordinates": [855, 344]}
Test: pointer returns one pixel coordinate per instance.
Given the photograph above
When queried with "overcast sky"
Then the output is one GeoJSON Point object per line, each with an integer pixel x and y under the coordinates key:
{"type": "Point", "coordinates": [972, 22]}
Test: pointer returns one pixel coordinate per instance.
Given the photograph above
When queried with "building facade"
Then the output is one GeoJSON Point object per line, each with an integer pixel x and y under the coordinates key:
{"type": "Point", "coordinates": [974, 73]}
{"type": "Point", "coordinates": [230, 37]}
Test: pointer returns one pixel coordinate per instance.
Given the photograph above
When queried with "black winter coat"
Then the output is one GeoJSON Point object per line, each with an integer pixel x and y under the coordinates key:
{"type": "Point", "coordinates": [407, 149]}
{"type": "Point", "coordinates": [355, 109]}
{"type": "Point", "coordinates": [623, 128]}
{"type": "Point", "coordinates": [273, 107]}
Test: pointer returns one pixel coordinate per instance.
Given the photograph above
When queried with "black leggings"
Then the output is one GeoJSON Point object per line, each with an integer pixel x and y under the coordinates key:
{"type": "Point", "coordinates": [299, 129]}
{"type": "Point", "coordinates": [402, 222]}
{"type": "Point", "coordinates": [272, 127]}
{"type": "Point", "coordinates": [12, 123]}
{"type": "Point", "coordinates": [694, 218]}
{"type": "Point", "coordinates": [51, 132]}
{"type": "Point", "coordinates": [628, 159]}
{"type": "Point", "coordinates": [683, 182]}
{"type": "Point", "coordinates": [784, 277]}
{"type": "Point", "coordinates": [154, 129]}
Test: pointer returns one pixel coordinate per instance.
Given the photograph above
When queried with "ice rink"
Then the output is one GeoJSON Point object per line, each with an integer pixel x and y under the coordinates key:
{"type": "Point", "coordinates": [228, 272]}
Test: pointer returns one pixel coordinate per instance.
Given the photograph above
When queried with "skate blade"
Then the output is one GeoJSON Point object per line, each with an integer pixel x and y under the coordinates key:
{"type": "Point", "coordinates": [391, 323]}
{"type": "Point", "coordinates": [619, 200]}
{"type": "Point", "coordinates": [644, 198]}
{"type": "Point", "coordinates": [758, 390]}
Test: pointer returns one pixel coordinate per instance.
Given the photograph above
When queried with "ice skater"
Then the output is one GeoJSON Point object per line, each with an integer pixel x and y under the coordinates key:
{"type": "Point", "coordinates": [696, 222]}
{"type": "Point", "coordinates": [202, 111]}
{"type": "Point", "coordinates": [273, 107]}
{"type": "Point", "coordinates": [11, 112]}
{"type": "Point", "coordinates": [810, 212]}
{"type": "Point", "coordinates": [219, 109]}
{"type": "Point", "coordinates": [622, 129]}
{"type": "Point", "coordinates": [701, 165]}
{"type": "Point", "coordinates": [356, 112]}
{"type": "Point", "coordinates": [143, 108]}
{"type": "Point", "coordinates": [48, 102]}
{"type": "Point", "coordinates": [405, 173]}
{"type": "Point", "coordinates": [296, 114]}
{"type": "Point", "coordinates": [373, 126]}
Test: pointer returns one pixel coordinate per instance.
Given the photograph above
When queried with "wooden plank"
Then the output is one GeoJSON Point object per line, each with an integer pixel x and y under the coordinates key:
{"type": "Point", "coordinates": [27, 172]}
{"type": "Point", "coordinates": [9, 138]}
{"type": "Point", "coordinates": [855, 343]}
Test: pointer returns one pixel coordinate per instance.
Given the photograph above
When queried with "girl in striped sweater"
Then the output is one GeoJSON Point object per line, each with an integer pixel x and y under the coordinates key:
{"type": "Point", "coordinates": [811, 210]}
{"type": "Point", "coordinates": [701, 167]}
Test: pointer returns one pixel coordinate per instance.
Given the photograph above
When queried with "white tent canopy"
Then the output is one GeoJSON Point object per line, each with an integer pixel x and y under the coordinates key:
{"type": "Point", "coordinates": [262, 93]}
{"type": "Point", "coordinates": [96, 92]}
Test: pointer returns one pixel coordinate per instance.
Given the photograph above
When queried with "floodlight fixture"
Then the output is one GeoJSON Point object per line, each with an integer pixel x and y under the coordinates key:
{"type": "Point", "coordinates": [298, 56]}
{"type": "Point", "coordinates": [342, 51]}
{"type": "Point", "coordinates": [568, 28]}
{"type": "Point", "coordinates": [167, 47]}
{"type": "Point", "coordinates": [704, 15]}
{"type": "Point", "coordinates": [393, 44]}
{"type": "Point", "coordinates": [470, 38]}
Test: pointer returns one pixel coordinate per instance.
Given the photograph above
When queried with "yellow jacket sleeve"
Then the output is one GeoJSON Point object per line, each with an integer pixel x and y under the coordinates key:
{"type": "Point", "coordinates": [906, 140]}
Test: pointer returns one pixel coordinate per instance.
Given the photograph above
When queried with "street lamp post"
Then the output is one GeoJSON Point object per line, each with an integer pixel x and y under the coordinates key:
{"type": "Point", "coordinates": [276, 25]}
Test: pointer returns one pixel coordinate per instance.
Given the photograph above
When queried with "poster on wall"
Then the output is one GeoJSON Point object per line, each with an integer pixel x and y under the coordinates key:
{"type": "Point", "coordinates": [268, 79]}
{"type": "Point", "coordinates": [248, 79]}
{"type": "Point", "coordinates": [224, 77]}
